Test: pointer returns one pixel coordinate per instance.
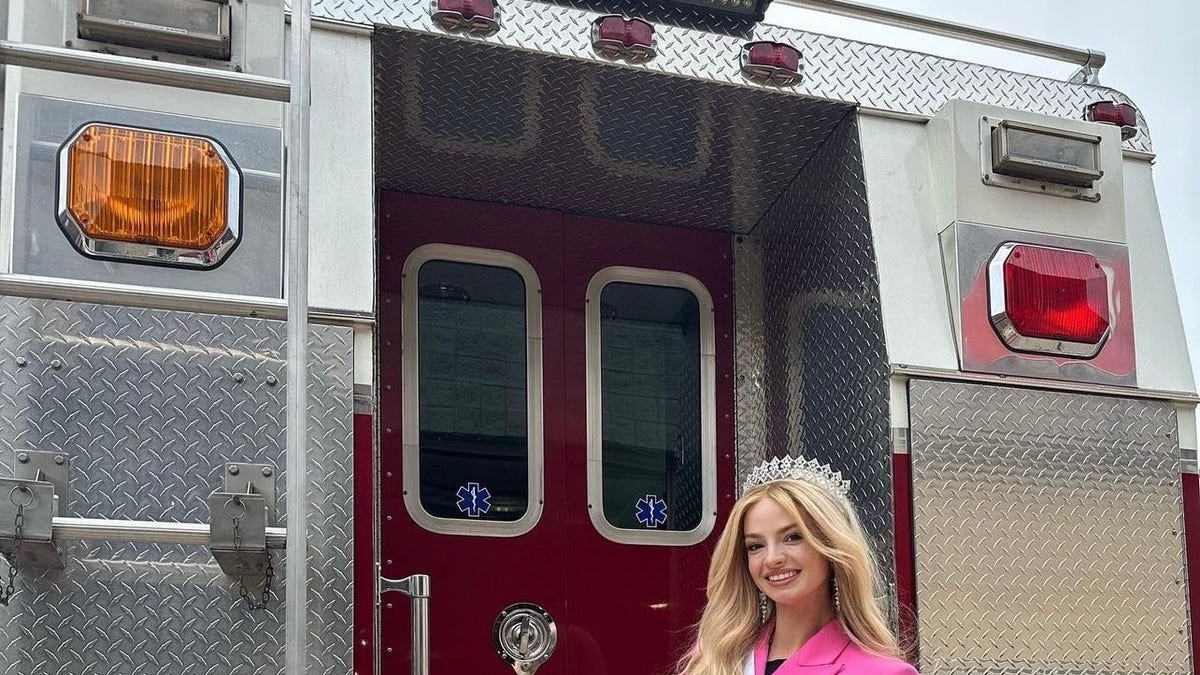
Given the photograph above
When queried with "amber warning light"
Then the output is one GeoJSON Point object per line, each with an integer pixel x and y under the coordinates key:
{"type": "Point", "coordinates": [147, 196]}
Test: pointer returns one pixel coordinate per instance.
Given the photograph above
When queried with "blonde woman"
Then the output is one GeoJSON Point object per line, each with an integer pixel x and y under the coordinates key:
{"type": "Point", "coordinates": [792, 585]}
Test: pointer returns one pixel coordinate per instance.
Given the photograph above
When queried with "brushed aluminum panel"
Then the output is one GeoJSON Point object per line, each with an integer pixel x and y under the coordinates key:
{"type": "Point", "coordinates": [149, 404]}
{"type": "Point", "coordinates": [835, 69]}
{"type": "Point", "coordinates": [812, 376]}
{"type": "Point", "coordinates": [1047, 530]}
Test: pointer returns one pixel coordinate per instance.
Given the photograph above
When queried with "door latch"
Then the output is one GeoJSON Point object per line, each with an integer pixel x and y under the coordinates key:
{"type": "Point", "coordinates": [29, 501]}
{"type": "Point", "coordinates": [525, 636]}
{"type": "Point", "coordinates": [238, 520]}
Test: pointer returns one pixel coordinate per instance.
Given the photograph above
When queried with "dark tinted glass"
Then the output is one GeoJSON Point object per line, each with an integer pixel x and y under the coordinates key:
{"type": "Point", "coordinates": [472, 391]}
{"type": "Point", "coordinates": [650, 384]}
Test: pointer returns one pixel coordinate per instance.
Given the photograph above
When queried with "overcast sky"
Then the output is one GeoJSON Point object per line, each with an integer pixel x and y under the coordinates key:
{"type": "Point", "coordinates": [1151, 49]}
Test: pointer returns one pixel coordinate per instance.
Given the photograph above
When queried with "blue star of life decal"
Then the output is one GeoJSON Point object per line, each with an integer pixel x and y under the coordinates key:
{"type": "Point", "coordinates": [474, 500]}
{"type": "Point", "coordinates": [651, 511]}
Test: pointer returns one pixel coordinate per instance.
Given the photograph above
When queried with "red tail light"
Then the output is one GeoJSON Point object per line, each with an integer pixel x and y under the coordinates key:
{"type": "Point", "coordinates": [615, 37]}
{"type": "Point", "coordinates": [1049, 300]}
{"type": "Point", "coordinates": [772, 62]}
{"type": "Point", "coordinates": [1111, 112]}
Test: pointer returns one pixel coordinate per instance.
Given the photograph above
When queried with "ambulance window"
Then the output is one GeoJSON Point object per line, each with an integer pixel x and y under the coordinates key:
{"type": "Point", "coordinates": [650, 407]}
{"type": "Point", "coordinates": [477, 448]}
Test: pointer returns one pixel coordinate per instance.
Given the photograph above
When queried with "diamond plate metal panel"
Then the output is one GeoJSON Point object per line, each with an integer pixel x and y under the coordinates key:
{"type": "Point", "coordinates": [812, 367]}
{"type": "Point", "coordinates": [1047, 530]}
{"type": "Point", "coordinates": [835, 69]}
{"type": "Point", "coordinates": [584, 138]}
{"type": "Point", "coordinates": [149, 404]}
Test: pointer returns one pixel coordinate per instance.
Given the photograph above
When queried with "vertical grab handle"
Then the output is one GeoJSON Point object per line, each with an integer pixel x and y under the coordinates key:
{"type": "Point", "coordinates": [416, 587]}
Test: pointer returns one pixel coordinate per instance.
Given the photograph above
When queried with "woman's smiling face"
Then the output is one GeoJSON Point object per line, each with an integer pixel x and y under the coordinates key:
{"type": "Point", "coordinates": [783, 564]}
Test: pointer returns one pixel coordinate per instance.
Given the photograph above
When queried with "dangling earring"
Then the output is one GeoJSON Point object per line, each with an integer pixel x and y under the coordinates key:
{"type": "Point", "coordinates": [763, 608]}
{"type": "Point", "coordinates": [837, 600]}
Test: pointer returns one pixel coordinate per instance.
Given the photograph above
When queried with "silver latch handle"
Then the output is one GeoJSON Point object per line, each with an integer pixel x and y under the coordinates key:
{"type": "Point", "coordinates": [416, 587]}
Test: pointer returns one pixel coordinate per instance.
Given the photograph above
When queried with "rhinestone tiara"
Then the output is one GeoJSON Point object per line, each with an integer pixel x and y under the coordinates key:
{"type": "Point", "coordinates": [808, 470]}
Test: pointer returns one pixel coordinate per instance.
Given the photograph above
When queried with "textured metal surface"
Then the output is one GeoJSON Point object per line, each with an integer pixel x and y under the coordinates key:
{"type": "Point", "coordinates": [1047, 532]}
{"type": "Point", "coordinates": [834, 68]}
{"type": "Point", "coordinates": [812, 367]}
{"type": "Point", "coordinates": [149, 404]}
{"type": "Point", "coordinates": [584, 138]}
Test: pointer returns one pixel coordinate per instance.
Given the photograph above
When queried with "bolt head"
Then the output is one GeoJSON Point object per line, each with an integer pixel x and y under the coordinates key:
{"type": "Point", "coordinates": [60, 460]}
{"type": "Point", "coordinates": [272, 380]}
{"type": "Point", "coordinates": [233, 470]}
{"type": "Point", "coordinates": [22, 457]}
{"type": "Point", "coordinates": [56, 364]}
{"type": "Point", "coordinates": [238, 377]}
{"type": "Point", "coordinates": [267, 471]}
{"type": "Point", "coordinates": [21, 362]}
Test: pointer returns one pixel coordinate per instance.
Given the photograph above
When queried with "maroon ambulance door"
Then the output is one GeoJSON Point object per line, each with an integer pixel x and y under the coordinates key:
{"type": "Point", "coordinates": [649, 435]}
{"type": "Point", "coordinates": [471, 491]}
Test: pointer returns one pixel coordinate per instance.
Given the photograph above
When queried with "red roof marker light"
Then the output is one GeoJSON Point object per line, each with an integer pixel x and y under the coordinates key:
{"type": "Point", "coordinates": [615, 37]}
{"type": "Point", "coordinates": [771, 63]}
{"type": "Point", "coordinates": [1111, 112]}
{"type": "Point", "coordinates": [1049, 300]}
{"type": "Point", "coordinates": [474, 16]}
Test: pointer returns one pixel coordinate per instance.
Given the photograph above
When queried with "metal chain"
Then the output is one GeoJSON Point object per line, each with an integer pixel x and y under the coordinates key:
{"type": "Point", "coordinates": [242, 590]}
{"type": "Point", "coordinates": [14, 558]}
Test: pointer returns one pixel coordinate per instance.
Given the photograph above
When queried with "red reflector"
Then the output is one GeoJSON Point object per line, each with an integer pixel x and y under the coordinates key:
{"type": "Point", "coordinates": [1049, 299]}
{"type": "Point", "coordinates": [477, 16]}
{"type": "Point", "coordinates": [617, 37]}
{"type": "Point", "coordinates": [772, 62]}
{"type": "Point", "coordinates": [1111, 112]}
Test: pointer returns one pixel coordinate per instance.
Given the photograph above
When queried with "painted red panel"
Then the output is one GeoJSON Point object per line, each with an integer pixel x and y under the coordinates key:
{"type": "Point", "coordinates": [472, 578]}
{"type": "Point", "coordinates": [364, 545]}
{"type": "Point", "coordinates": [1191, 533]}
{"type": "Point", "coordinates": [632, 607]}
{"type": "Point", "coordinates": [620, 609]}
{"type": "Point", "coordinates": [906, 561]}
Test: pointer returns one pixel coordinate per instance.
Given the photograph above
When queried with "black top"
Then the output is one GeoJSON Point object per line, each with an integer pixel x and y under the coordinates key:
{"type": "Point", "coordinates": [772, 666]}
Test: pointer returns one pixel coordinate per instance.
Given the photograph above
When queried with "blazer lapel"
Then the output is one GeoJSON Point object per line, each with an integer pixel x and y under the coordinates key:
{"type": "Point", "coordinates": [818, 656]}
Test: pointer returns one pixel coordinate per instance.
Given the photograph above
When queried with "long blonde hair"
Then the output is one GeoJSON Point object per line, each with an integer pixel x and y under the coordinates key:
{"type": "Point", "coordinates": [731, 622]}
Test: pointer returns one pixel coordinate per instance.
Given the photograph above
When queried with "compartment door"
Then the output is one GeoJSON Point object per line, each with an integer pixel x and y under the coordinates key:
{"type": "Point", "coordinates": [471, 455]}
{"type": "Point", "coordinates": [649, 436]}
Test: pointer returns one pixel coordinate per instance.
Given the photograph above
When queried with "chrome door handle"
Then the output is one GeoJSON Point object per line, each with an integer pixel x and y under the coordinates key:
{"type": "Point", "coordinates": [416, 587]}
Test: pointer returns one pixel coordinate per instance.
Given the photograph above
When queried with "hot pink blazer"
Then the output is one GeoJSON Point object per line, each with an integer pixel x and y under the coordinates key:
{"type": "Point", "coordinates": [829, 652]}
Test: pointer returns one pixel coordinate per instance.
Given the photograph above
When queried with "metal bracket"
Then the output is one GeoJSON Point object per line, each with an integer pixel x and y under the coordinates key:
{"type": "Point", "coordinates": [238, 519]}
{"type": "Point", "coordinates": [1089, 72]}
{"type": "Point", "coordinates": [50, 467]}
{"type": "Point", "coordinates": [256, 479]}
{"type": "Point", "coordinates": [35, 500]}
{"type": "Point", "coordinates": [244, 552]}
